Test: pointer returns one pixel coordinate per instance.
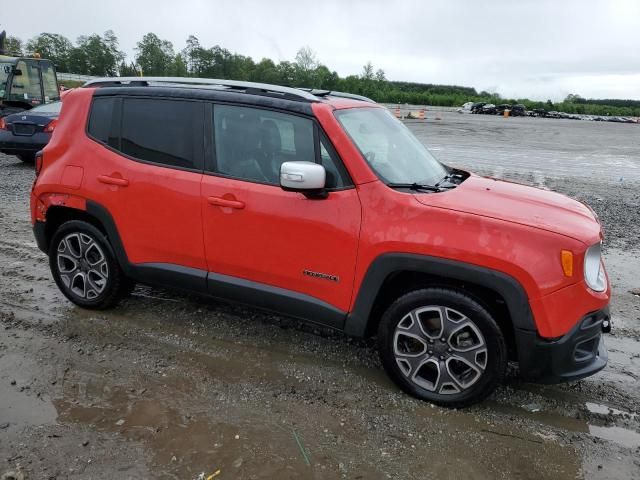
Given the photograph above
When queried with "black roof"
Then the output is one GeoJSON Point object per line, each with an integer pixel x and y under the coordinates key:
{"type": "Point", "coordinates": [221, 96]}
{"type": "Point", "coordinates": [230, 91]}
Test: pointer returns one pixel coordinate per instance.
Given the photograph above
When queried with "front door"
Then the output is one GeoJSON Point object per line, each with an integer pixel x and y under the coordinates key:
{"type": "Point", "coordinates": [273, 245]}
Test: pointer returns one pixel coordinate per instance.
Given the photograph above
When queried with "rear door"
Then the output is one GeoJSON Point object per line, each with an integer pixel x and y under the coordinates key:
{"type": "Point", "coordinates": [298, 249]}
{"type": "Point", "coordinates": [148, 174]}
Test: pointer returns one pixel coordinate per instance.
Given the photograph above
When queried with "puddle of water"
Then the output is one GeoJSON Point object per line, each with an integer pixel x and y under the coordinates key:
{"type": "Point", "coordinates": [549, 418]}
{"type": "Point", "coordinates": [605, 410]}
{"type": "Point", "coordinates": [21, 408]}
{"type": "Point", "coordinates": [621, 436]}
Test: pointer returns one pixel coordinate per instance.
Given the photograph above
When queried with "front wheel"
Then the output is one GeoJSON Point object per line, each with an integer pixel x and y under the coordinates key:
{"type": "Point", "coordinates": [442, 346]}
{"type": "Point", "coordinates": [84, 267]}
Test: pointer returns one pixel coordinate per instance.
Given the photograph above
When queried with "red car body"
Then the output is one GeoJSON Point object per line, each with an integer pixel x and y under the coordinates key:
{"type": "Point", "coordinates": [267, 235]}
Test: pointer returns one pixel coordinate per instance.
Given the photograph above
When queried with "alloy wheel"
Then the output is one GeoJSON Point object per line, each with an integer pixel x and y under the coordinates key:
{"type": "Point", "coordinates": [82, 265]}
{"type": "Point", "coordinates": [440, 349]}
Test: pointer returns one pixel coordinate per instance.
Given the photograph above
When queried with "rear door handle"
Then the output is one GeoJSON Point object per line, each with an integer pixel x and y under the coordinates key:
{"type": "Point", "coordinates": [223, 202]}
{"type": "Point", "coordinates": [121, 182]}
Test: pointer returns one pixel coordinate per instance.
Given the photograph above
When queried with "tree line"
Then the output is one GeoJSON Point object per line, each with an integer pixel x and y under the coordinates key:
{"type": "Point", "coordinates": [100, 55]}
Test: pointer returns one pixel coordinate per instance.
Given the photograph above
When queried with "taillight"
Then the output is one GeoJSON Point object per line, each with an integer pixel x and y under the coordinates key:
{"type": "Point", "coordinates": [3, 125]}
{"type": "Point", "coordinates": [51, 126]}
{"type": "Point", "coordinates": [39, 157]}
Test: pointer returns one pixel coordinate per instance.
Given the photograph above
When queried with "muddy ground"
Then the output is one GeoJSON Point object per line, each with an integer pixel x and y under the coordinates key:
{"type": "Point", "coordinates": [172, 386]}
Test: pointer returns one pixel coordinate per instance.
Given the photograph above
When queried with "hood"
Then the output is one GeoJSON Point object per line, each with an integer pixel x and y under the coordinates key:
{"type": "Point", "coordinates": [513, 202]}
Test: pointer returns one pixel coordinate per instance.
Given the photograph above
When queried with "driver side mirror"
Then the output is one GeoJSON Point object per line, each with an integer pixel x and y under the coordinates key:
{"type": "Point", "coordinates": [16, 72]}
{"type": "Point", "coordinates": [305, 177]}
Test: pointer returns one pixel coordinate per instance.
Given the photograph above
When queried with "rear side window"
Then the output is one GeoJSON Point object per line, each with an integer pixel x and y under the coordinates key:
{"type": "Point", "coordinates": [103, 121]}
{"type": "Point", "coordinates": [168, 132]}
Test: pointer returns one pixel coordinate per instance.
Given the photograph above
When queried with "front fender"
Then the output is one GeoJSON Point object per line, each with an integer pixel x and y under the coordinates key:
{"type": "Point", "coordinates": [509, 288]}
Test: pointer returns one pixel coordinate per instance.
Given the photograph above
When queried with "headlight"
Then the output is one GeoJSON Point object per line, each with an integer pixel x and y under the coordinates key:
{"type": "Point", "coordinates": [594, 274]}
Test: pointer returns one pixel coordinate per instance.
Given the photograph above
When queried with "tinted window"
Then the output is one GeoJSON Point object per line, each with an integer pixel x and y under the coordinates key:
{"type": "Point", "coordinates": [103, 122]}
{"type": "Point", "coordinates": [169, 132]}
{"type": "Point", "coordinates": [252, 144]}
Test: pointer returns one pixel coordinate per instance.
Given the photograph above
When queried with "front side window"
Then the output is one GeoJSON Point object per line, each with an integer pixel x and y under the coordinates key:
{"type": "Point", "coordinates": [168, 132]}
{"type": "Point", "coordinates": [391, 150]}
{"type": "Point", "coordinates": [251, 144]}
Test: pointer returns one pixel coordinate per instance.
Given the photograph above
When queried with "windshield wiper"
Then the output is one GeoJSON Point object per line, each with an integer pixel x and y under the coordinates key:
{"type": "Point", "coordinates": [416, 186]}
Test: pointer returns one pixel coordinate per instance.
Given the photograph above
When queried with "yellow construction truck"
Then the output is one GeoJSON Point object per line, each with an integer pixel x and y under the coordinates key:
{"type": "Point", "coordinates": [25, 81]}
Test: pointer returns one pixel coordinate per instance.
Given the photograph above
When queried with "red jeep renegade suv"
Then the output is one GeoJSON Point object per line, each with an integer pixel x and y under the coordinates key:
{"type": "Point", "coordinates": [322, 206]}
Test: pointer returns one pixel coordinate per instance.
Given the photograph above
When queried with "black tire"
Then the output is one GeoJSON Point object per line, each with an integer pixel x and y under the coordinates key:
{"type": "Point", "coordinates": [27, 157]}
{"type": "Point", "coordinates": [473, 382]}
{"type": "Point", "coordinates": [100, 292]}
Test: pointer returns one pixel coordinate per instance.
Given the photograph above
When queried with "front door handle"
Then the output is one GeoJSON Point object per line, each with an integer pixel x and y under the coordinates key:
{"type": "Point", "coordinates": [121, 182]}
{"type": "Point", "coordinates": [223, 202]}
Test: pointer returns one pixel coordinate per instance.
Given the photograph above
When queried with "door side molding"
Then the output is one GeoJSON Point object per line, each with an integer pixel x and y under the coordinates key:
{"type": "Point", "coordinates": [275, 299]}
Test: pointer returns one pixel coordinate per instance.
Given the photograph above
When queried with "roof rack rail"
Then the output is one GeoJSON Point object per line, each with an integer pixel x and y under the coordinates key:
{"type": "Point", "coordinates": [333, 93]}
{"type": "Point", "coordinates": [235, 85]}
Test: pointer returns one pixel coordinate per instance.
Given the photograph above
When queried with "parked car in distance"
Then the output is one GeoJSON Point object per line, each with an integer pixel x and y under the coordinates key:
{"type": "Point", "coordinates": [294, 201]}
{"type": "Point", "coordinates": [477, 107]}
{"type": "Point", "coordinates": [500, 109]}
{"type": "Point", "coordinates": [518, 110]}
{"type": "Point", "coordinates": [24, 133]}
{"type": "Point", "coordinates": [488, 109]}
{"type": "Point", "coordinates": [537, 112]}
{"type": "Point", "coordinates": [466, 108]}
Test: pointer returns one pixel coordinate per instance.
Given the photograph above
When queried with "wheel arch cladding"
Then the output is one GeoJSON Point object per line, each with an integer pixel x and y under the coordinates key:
{"type": "Point", "coordinates": [111, 231]}
{"type": "Point", "coordinates": [94, 214]}
{"type": "Point", "coordinates": [59, 214]}
{"type": "Point", "coordinates": [386, 265]}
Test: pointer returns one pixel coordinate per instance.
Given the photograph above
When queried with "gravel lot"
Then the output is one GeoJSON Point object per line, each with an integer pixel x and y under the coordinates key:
{"type": "Point", "coordinates": [171, 386]}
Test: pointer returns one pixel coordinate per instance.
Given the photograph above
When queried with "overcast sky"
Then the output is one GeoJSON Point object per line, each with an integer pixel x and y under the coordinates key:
{"type": "Point", "coordinates": [520, 48]}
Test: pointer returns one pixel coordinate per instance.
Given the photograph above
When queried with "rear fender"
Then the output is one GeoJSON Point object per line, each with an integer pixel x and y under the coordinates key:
{"type": "Point", "coordinates": [48, 200]}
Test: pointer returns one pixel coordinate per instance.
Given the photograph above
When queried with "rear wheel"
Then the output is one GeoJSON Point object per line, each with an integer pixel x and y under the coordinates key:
{"type": "Point", "coordinates": [442, 346]}
{"type": "Point", "coordinates": [84, 267]}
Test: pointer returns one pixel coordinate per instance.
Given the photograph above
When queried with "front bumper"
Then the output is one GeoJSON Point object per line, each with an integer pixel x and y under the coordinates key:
{"type": "Point", "coordinates": [578, 354]}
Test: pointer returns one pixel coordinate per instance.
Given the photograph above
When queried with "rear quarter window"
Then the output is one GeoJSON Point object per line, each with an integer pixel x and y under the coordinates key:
{"type": "Point", "coordinates": [103, 122]}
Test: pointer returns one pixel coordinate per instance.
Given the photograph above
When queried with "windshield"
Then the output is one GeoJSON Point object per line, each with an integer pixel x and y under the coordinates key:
{"type": "Point", "coordinates": [389, 147]}
{"type": "Point", "coordinates": [48, 108]}
{"type": "Point", "coordinates": [26, 86]}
